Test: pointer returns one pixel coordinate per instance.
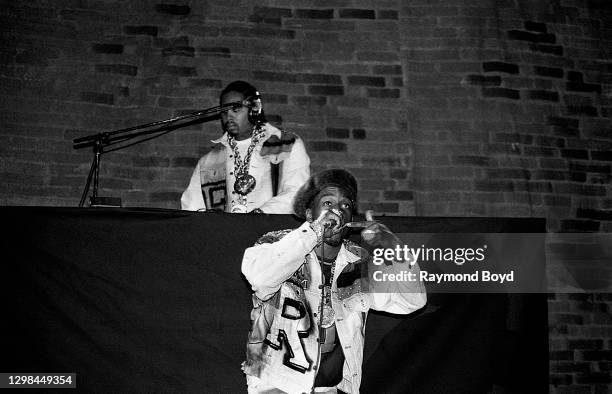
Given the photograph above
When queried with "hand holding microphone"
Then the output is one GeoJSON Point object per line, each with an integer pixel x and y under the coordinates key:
{"type": "Point", "coordinates": [328, 221]}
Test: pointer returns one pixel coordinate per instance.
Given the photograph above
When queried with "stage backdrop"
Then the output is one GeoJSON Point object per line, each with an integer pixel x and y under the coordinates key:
{"type": "Point", "coordinates": [154, 301]}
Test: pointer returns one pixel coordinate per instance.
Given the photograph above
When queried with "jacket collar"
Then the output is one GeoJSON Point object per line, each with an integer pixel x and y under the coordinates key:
{"type": "Point", "coordinates": [352, 253]}
{"type": "Point", "coordinates": [268, 131]}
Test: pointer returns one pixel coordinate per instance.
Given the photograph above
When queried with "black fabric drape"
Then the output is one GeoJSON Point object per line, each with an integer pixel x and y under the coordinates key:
{"type": "Point", "coordinates": [153, 301]}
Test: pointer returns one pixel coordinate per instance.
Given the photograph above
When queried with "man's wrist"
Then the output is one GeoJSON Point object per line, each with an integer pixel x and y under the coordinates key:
{"type": "Point", "coordinates": [318, 229]}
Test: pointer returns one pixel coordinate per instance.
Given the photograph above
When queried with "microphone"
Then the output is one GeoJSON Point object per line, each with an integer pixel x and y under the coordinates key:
{"type": "Point", "coordinates": [330, 223]}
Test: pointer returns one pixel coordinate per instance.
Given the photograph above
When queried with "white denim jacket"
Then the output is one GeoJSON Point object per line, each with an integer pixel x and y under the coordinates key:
{"type": "Point", "coordinates": [212, 181]}
{"type": "Point", "coordinates": [283, 265]}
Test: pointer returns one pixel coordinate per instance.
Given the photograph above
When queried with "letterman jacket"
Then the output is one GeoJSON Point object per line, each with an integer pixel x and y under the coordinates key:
{"type": "Point", "coordinates": [282, 349]}
{"type": "Point", "coordinates": [212, 183]}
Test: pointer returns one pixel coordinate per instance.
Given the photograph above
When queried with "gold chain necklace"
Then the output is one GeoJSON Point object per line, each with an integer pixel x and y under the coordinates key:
{"type": "Point", "coordinates": [245, 182]}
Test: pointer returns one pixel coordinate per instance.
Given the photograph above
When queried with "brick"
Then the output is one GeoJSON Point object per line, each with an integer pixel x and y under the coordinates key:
{"type": "Point", "coordinates": [327, 146]}
{"type": "Point", "coordinates": [589, 167]}
{"type": "Point", "coordinates": [398, 174]}
{"type": "Point", "coordinates": [483, 80]}
{"type": "Point", "coordinates": [575, 154]}
{"type": "Point", "coordinates": [594, 378]}
{"type": "Point", "coordinates": [552, 49]}
{"type": "Point", "coordinates": [263, 31]}
{"type": "Point", "coordinates": [314, 14]}
{"type": "Point", "coordinates": [180, 71]}
{"type": "Point", "coordinates": [493, 186]}
{"type": "Point", "coordinates": [535, 26]}
{"type": "Point", "coordinates": [569, 367]}
{"type": "Point", "coordinates": [107, 48]}
{"type": "Point", "coordinates": [272, 11]}
{"type": "Point", "coordinates": [596, 214]}
{"type": "Point", "coordinates": [547, 38]}
{"type": "Point", "coordinates": [554, 163]}
{"type": "Point", "coordinates": [501, 93]}
{"type": "Point", "coordinates": [152, 161]}
{"type": "Point", "coordinates": [566, 132]}
{"type": "Point", "coordinates": [355, 13]}
{"type": "Point", "coordinates": [558, 201]}
{"type": "Point", "coordinates": [186, 51]}
{"type": "Point", "coordinates": [554, 142]}
{"type": "Point", "coordinates": [276, 98]}
{"type": "Point", "coordinates": [140, 30]}
{"type": "Point", "coordinates": [384, 93]}
{"type": "Point", "coordinates": [601, 155]}
{"type": "Point", "coordinates": [337, 133]}
{"type": "Point", "coordinates": [331, 79]}
{"type": "Point", "coordinates": [376, 184]}
{"type": "Point", "coordinates": [579, 225]}
{"type": "Point", "coordinates": [561, 121]}
{"type": "Point", "coordinates": [359, 134]}
{"type": "Point", "coordinates": [544, 84]}
{"type": "Point", "coordinates": [369, 56]}
{"type": "Point", "coordinates": [173, 9]}
{"type": "Point", "coordinates": [471, 160]}
{"type": "Point", "coordinates": [123, 69]}
{"type": "Point", "coordinates": [385, 69]}
{"type": "Point", "coordinates": [522, 35]}
{"type": "Point", "coordinates": [597, 355]}
{"type": "Point", "coordinates": [560, 379]}
{"type": "Point", "coordinates": [585, 190]}
{"type": "Point", "coordinates": [266, 19]}
{"type": "Point", "coordinates": [274, 76]}
{"type": "Point", "coordinates": [577, 100]}
{"type": "Point", "coordinates": [98, 98]}
{"type": "Point", "coordinates": [317, 101]}
{"type": "Point", "coordinates": [204, 83]}
{"type": "Point", "coordinates": [386, 207]}
{"type": "Point", "coordinates": [381, 161]}
{"type": "Point", "coordinates": [551, 175]}
{"type": "Point", "coordinates": [361, 80]}
{"type": "Point", "coordinates": [587, 110]}
{"type": "Point", "coordinates": [215, 51]}
{"type": "Point", "coordinates": [545, 95]}
{"type": "Point", "coordinates": [583, 87]}
{"type": "Point", "coordinates": [575, 76]}
{"type": "Point", "coordinates": [184, 162]}
{"type": "Point", "coordinates": [504, 67]}
{"type": "Point", "coordinates": [387, 14]}
{"type": "Point", "coordinates": [326, 90]}
{"type": "Point", "coordinates": [508, 173]}
{"type": "Point", "coordinates": [419, 67]}
{"type": "Point", "coordinates": [401, 195]}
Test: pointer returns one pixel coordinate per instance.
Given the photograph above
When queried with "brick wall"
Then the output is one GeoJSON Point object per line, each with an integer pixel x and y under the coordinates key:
{"type": "Point", "coordinates": [440, 108]}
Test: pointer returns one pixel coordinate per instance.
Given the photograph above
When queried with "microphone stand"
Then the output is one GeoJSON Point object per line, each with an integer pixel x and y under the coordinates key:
{"type": "Point", "coordinates": [156, 129]}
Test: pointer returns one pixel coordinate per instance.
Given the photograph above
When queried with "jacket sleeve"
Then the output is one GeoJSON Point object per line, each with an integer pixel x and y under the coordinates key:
{"type": "Point", "coordinates": [398, 297]}
{"type": "Point", "coordinates": [295, 171]}
{"type": "Point", "coordinates": [192, 199]}
{"type": "Point", "coordinates": [266, 266]}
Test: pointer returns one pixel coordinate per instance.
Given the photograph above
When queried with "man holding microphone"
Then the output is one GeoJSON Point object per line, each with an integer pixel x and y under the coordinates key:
{"type": "Point", "coordinates": [312, 293]}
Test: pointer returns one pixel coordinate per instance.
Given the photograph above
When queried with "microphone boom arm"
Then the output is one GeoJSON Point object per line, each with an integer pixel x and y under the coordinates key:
{"type": "Point", "coordinates": [99, 141]}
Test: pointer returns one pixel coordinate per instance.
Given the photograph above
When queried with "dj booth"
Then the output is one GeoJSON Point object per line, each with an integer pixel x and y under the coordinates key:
{"type": "Point", "coordinates": [143, 300]}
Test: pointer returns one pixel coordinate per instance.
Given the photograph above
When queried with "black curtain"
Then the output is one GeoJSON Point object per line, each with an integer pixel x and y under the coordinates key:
{"type": "Point", "coordinates": [153, 301]}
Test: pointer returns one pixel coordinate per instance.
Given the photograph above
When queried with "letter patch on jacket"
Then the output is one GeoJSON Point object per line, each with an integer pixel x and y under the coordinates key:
{"type": "Point", "coordinates": [289, 328]}
{"type": "Point", "coordinates": [212, 181]}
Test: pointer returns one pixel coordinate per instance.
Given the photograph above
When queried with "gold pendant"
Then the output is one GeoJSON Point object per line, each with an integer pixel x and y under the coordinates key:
{"type": "Point", "coordinates": [244, 184]}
